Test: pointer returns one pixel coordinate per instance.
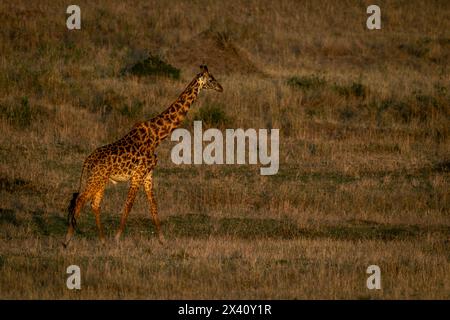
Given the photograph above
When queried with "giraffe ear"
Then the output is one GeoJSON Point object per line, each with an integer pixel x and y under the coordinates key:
{"type": "Point", "coordinates": [204, 68]}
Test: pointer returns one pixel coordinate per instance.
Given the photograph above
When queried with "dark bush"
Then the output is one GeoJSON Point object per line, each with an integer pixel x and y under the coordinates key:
{"type": "Point", "coordinates": [306, 82]}
{"type": "Point", "coordinates": [356, 89]}
{"type": "Point", "coordinates": [132, 111]}
{"type": "Point", "coordinates": [153, 66]}
{"type": "Point", "coordinates": [19, 114]}
{"type": "Point", "coordinates": [212, 115]}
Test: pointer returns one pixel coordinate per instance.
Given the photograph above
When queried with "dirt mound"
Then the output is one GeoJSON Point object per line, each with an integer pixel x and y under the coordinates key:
{"type": "Point", "coordinates": [215, 49]}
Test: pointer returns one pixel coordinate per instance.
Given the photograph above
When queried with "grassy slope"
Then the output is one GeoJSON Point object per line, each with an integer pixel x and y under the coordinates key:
{"type": "Point", "coordinates": [364, 152]}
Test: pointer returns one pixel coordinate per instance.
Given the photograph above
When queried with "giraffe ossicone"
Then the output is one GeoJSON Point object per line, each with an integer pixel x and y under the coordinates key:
{"type": "Point", "coordinates": [133, 158]}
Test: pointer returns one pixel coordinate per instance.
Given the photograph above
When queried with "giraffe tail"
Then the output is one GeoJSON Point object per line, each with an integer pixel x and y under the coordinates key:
{"type": "Point", "coordinates": [71, 220]}
{"type": "Point", "coordinates": [71, 210]}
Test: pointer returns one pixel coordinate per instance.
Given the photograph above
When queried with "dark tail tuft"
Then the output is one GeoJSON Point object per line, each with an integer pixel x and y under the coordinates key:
{"type": "Point", "coordinates": [71, 210]}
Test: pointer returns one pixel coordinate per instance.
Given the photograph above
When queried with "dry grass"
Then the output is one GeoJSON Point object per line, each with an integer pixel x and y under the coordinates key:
{"type": "Point", "coordinates": [364, 152]}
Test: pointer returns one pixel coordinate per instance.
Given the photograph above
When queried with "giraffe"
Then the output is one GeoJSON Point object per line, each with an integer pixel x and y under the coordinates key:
{"type": "Point", "coordinates": [133, 158]}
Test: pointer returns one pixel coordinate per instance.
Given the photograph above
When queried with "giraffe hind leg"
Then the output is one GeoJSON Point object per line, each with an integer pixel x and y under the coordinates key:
{"type": "Point", "coordinates": [95, 205]}
{"type": "Point", "coordinates": [77, 203]}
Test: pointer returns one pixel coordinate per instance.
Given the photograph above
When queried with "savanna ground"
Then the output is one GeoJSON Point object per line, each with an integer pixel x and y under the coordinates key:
{"type": "Point", "coordinates": [364, 149]}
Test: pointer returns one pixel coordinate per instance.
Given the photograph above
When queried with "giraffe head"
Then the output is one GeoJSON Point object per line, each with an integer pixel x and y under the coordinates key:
{"type": "Point", "coordinates": [207, 81]}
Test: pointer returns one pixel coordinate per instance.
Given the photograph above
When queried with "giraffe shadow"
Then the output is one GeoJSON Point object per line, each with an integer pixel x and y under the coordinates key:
{"type": "Point", "coordinates": [39, 222]}
{"type": "Point", "coordinates": [201, 226]}
{"type": "Point", "coordinates": [51, 225]}
{"type": "Point", "coordinates": [204, 226]}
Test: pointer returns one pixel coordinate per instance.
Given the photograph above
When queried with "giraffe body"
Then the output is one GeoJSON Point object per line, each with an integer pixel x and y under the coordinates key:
{"type": "Point", "coordinates": [133, 158]}
{"type": "Point", "coordinates": [120, 160]}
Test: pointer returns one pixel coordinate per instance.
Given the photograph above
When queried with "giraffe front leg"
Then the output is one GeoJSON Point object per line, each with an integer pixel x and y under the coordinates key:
{"type": "Point", "coordinates": [148, 186]}
{"type": "Point", "coordinates": [134, 187]}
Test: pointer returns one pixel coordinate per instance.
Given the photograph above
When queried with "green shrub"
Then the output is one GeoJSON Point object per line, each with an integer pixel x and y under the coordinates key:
{"type": "Point", "coordinates": [418, 49]}
{"type": "Point", "coordinates": [132, 111]}
{"type": "Point", "coordinates": [442, 166]}
{"type": "Point", "coordinates": [306, 82]}
{"type": "Point", "coordinates": [105, 102]}
{"type": "Point", "coordinates": [356, 89]}
{"type": "Point", "coordinates": [19, 114]}
{"type": "Point", "coordinates": [400, 111]}
{"type": "Point", "coordinates": [212, 115]}
{"type": "Point", "coordinates": [346, 114]}
{"type": "Point", "coordinates": [153, 66]}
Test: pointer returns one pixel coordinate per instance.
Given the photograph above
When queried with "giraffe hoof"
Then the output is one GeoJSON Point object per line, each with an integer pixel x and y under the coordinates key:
{"type": "Point", "coordinates": [65, 244]}
{"type": "Point", "coordinates": [161, 239]}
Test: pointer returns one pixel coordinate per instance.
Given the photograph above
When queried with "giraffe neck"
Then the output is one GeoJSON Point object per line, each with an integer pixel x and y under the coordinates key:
{"type": "Point", "coordinates": [172, 117]}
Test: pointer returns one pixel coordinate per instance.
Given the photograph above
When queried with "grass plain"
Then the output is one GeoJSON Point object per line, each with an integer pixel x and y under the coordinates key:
{"type": "Point", "coordinates": [364, 119]}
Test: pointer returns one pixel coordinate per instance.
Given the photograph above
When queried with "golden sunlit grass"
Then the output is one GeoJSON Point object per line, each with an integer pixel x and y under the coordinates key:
{"type": "Point", "coordinates": [364, 149]}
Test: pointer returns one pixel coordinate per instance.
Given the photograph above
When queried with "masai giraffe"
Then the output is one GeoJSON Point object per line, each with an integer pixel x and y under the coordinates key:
{"type": "Point", "coordinates": [133, 158]}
